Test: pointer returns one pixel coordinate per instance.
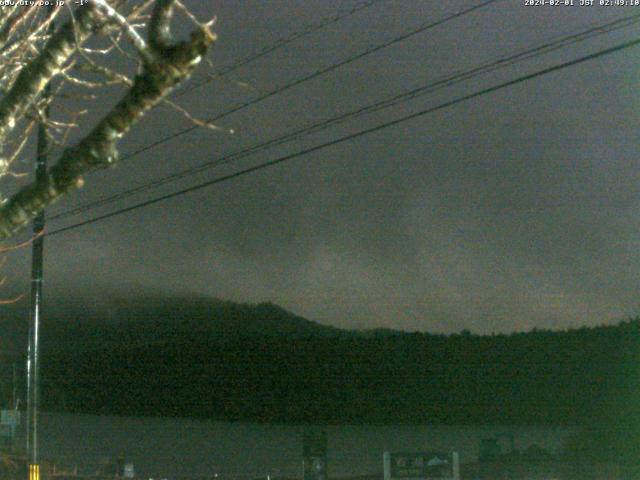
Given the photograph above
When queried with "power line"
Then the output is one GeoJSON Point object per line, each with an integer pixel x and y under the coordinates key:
{"type": "Point", "coordinates": [360, 133]}
{"type": "Point", "coordinates": [280, 44]}
{"type": "Point", "coordinates": [314, 75]}
{"type": "Point", "coordinates": [447, 81]}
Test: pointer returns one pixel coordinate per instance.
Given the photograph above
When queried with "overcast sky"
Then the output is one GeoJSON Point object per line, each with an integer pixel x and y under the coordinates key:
{"type": "Point", "coordinates": [513, 210]}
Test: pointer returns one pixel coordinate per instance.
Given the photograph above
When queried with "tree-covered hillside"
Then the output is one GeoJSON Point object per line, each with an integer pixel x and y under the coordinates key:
{"type": "Point", "coordinates": [260, 362]}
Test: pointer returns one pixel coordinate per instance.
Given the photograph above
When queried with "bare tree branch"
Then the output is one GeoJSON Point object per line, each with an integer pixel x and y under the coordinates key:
{"type": "Point", "coordinates": [132, 34]}
{"type": "Point", "coordinates": [166, 65]}
{"type": "Point", "coordinates": [34, 77]}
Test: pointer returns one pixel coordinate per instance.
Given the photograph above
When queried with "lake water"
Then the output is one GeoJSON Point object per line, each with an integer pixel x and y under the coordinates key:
{"type": "Point", "coordinates": [169, 447]}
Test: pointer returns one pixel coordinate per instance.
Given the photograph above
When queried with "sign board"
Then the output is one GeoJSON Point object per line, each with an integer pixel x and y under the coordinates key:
{"type": "Point", "coordinates": [129, 471]}
{"type": "Point", "coordinates": [314, 455]}
{"type": "Point", "coordinates": [9, 421]}
{"type": "Point", "coordinates": [421, 466]}
{"type": "Point", "coordinates": [10, 417]}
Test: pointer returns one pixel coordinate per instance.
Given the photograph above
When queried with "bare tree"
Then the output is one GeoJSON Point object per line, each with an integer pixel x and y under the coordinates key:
{"type": "Point", "coordinates": [74, 56]}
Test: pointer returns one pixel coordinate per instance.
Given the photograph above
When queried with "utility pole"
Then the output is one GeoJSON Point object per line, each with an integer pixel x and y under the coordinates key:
{"type": "Point", "coordinates": [33, 355]}
{"type": "Point", "coordinates": [14, 391]}
{"type": "Point", "coordinates": [37, 256]}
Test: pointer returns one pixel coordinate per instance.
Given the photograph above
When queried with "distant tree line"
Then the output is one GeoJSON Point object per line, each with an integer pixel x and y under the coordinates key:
{"type": "Point", "coordinates": [217, 362]}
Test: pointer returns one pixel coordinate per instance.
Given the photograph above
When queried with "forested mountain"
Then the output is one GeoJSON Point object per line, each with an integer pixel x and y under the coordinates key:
{"type": "Point", "coordinates": [229, 361]}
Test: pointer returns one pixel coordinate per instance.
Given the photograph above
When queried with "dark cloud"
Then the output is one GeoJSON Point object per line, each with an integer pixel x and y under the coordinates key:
{"type": "Point", "coordinates": [511, 211]}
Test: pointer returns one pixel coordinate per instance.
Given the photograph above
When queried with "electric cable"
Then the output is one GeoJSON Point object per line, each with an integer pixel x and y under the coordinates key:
{"type": "Point", "coordinates": [352, 136]}
{"type": "Point", "coordinates": [447, 81]}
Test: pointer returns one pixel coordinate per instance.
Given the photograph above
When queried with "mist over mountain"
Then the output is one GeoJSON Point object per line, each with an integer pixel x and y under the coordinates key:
{"type": "Point", "coordinates": [150, 321]}
{"type": "Point", "coordinates": [78, 325]}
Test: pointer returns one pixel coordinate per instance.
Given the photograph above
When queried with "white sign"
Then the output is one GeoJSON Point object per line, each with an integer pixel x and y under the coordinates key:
{"type": "Point", "coordinates": [128, 471]}
{"type": "Point", "coordinates": [421, 466]}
